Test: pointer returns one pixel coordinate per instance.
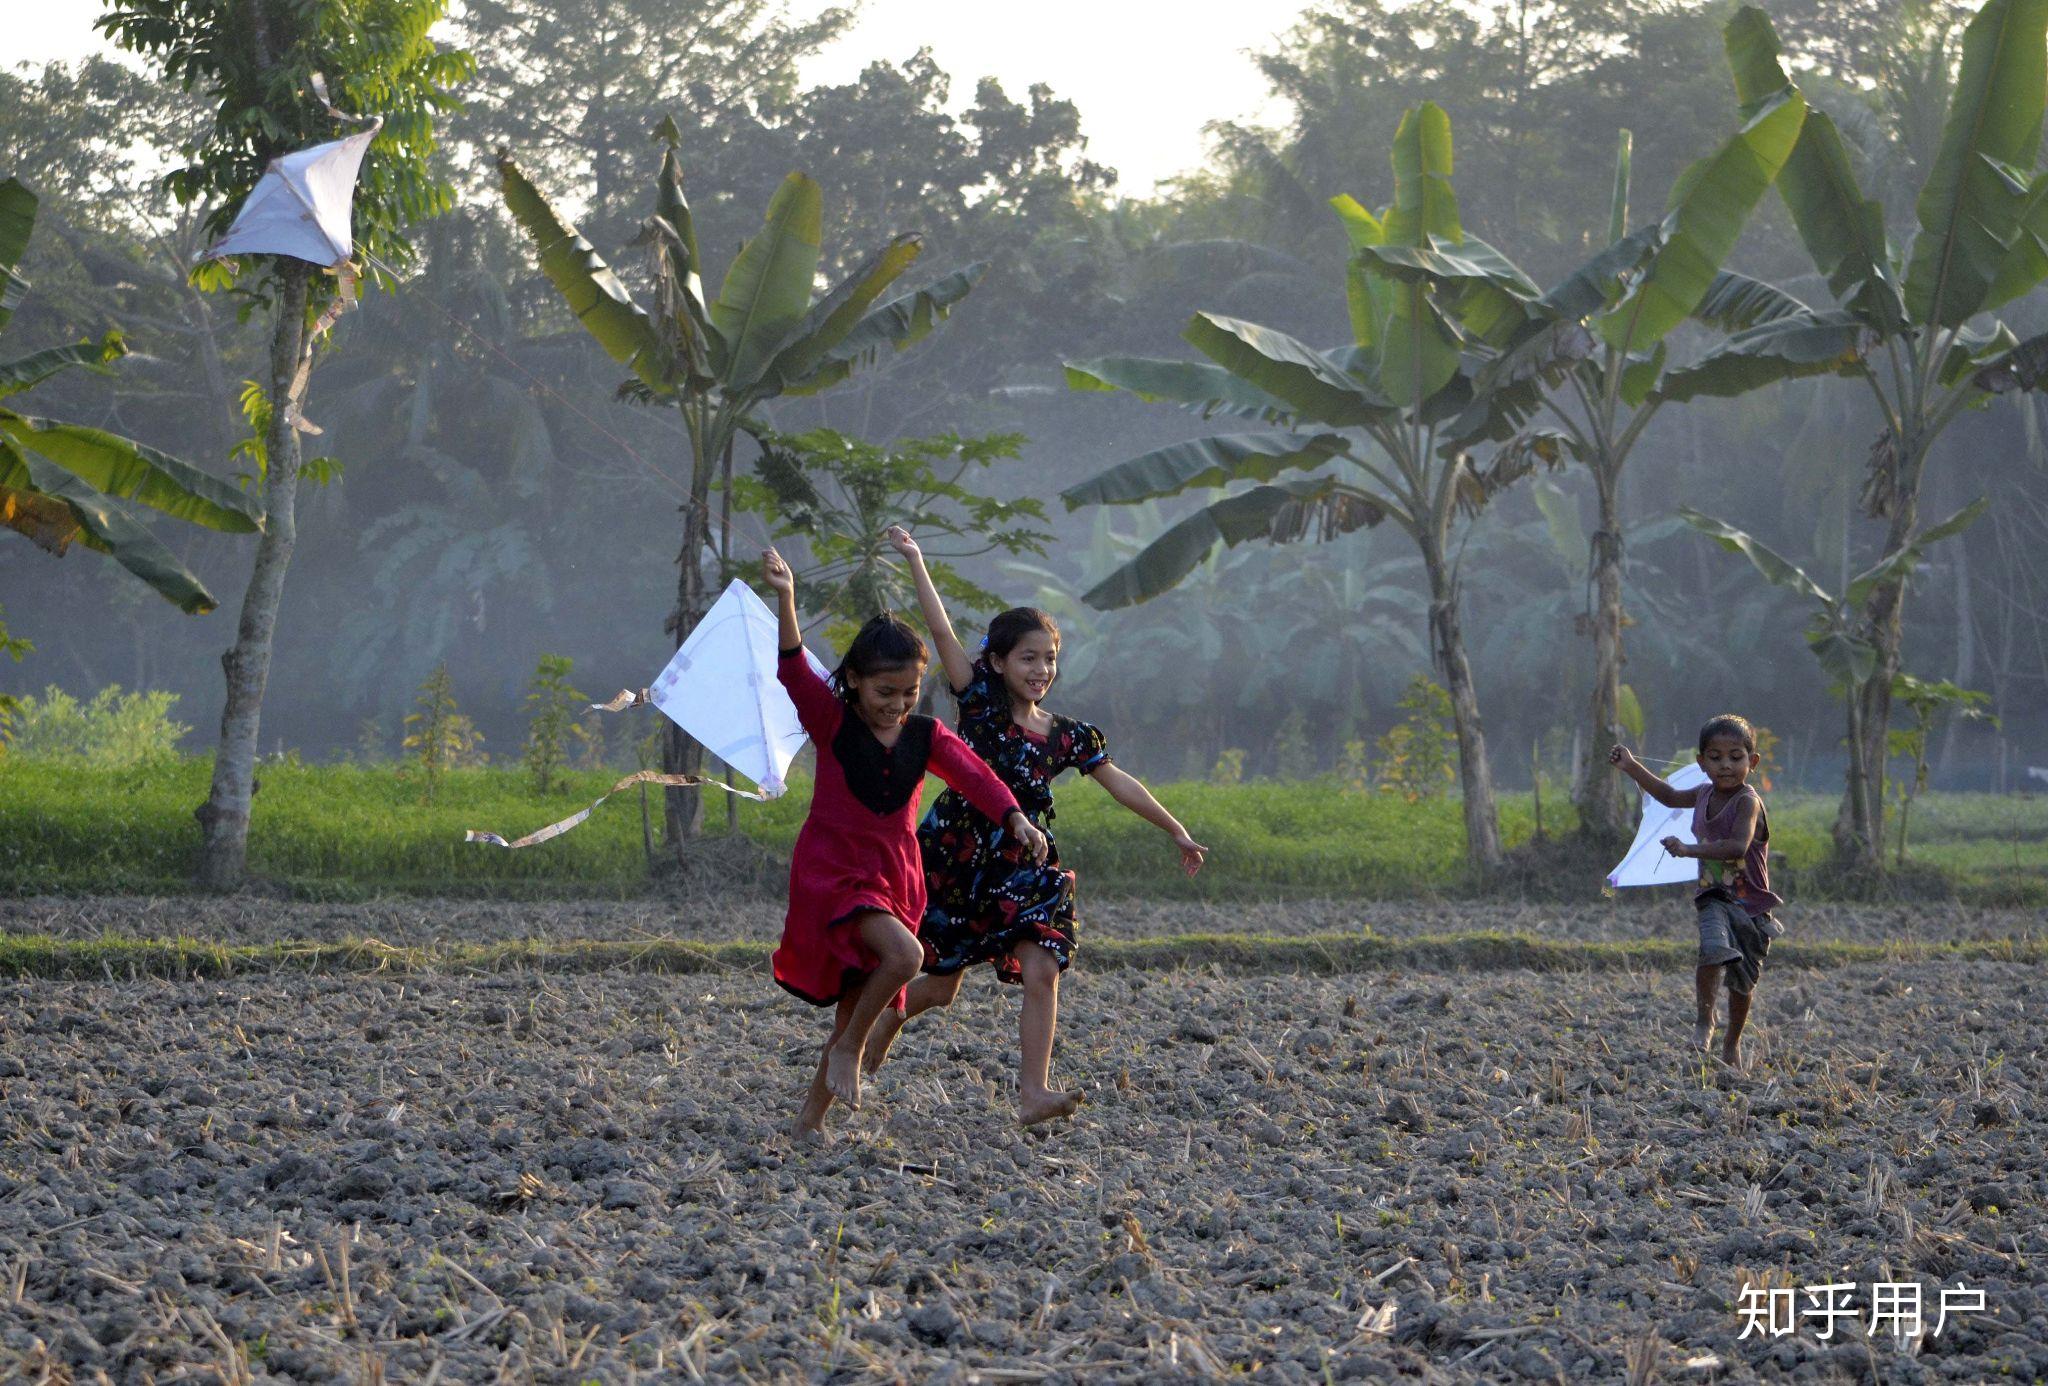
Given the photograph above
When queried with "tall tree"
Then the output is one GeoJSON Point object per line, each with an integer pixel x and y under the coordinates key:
{"type": "Point", "coordinates": [718, 361]}
{"type": "Point", "coordinates": [1599, 354]}
{"type": "Point", "coordinates": [1401, 410]}
{"type": "Point", "coordinates": [1903, 324]}
{"type": "Point", "coordinates": [260, 64]}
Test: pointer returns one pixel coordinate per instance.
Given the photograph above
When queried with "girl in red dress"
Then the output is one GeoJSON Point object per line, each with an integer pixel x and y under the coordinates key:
{"type": "Point", "coordinates": [856, 881]}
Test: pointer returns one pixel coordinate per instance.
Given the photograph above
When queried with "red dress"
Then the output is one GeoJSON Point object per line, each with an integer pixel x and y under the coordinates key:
{"type": "Point", "coordinates": [858, 848]}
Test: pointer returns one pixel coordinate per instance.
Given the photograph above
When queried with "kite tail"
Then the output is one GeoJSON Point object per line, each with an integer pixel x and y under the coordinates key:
{"type": "Point", "coordinates": [656, 777]}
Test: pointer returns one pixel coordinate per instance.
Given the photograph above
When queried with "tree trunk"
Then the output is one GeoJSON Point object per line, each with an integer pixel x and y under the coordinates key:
{"type": "Point", "coordinates": [1859, 823]}
{"type": "Point", "coordinates": [224, 817]}
{"type": "Point", "coordinates": [1475, 774]}
{"type": "Point", "coordinates": [1604, 811]}
{"type": "Point", "coordinates": [681, 754]}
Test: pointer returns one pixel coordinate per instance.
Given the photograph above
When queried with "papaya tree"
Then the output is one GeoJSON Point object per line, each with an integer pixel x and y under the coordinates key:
{"type": "Point", "coordinates": [1603, 344]}
{"type": "Point", "coordinates": [1386, 428]}
{"type": "Point", "coordinates": [60, 482]}
{"type": "Point", "coordinates": [717, 361]}
{"type": "Point", "coordinates": [262, 65]}
{"type": "Point", "coordinates": [1906, 320]}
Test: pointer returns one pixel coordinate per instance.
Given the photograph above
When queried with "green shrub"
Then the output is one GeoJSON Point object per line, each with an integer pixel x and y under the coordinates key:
{"type": "Point", "coordinates": [115, 731]}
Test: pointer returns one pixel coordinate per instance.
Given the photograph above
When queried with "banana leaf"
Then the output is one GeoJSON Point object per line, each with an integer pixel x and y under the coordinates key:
{"type": "Point", "coordinates": [901, 322]}
{"type": "Point", "coordinates": [767, 287]}
{"type": "Point", "coordinates": [1736, 303]}
{"type": "Point", "coordinates": [1287, 370]}
{"type": "Point", "coordinates": [1425, 208]}
{"type": "Point", "coordinates": [1776, 568]}
{"type": "Point", "coordinates": [17, 222]}
{"type": "Point", "coordinates": [29, 371]}
{"type": "Point", "coordinates": [1969, 207]}
{"type": "Point", "coordinates": [94, 523]}
{"type": "Point", "coordinates": [586, 283]}
{"type": "Point", "coordinates": [1295, 509]}
{"type": "Point", "coordinates": [2026, 262]}
{"type": "Point", "coordinates": [1901, 563]}
{"type": "Point", "coordinates": [1196, 384]}
{"type": "Point", "coordinates": [1831, 342]}
{"type": "Point", "coordinates": [130, 470]}
{"type": "Point", "coordinates": [835, 315]}
{"type": "Point", "coordinates": [1212, 461]}
{"type": "Point", "coordinates": [1709, 205]}
{"type": "Point", "coordinates": [1843, 231]}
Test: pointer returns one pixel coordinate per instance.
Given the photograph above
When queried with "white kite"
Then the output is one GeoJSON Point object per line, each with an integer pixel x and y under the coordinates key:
{"type": "Point", "coordinates": [1647, 863]}
{"type": "Point", "coordinates": [721, 689]}
{"type": "Point", "coordinates": [301, 205]}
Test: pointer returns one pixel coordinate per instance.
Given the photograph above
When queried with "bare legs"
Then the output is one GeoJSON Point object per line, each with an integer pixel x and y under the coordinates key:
{"type": "Point", "coordinates": [925, 993]}
{"type": "Point", "coordinates": [898, 955]}
{"type": "Point", "coordinates": [1036, 1100]}
{"type": "Point", "coordinates": [1738, 1015]}
{"type": "Point", "coordinates": [1706, 987]}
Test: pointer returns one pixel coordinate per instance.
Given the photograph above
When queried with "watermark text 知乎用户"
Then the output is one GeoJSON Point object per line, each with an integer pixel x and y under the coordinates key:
{"type": "Point", "coordinates": [1896, 1309]}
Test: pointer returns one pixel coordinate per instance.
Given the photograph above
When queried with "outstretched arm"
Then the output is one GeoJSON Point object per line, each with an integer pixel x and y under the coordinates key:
{"type": "Point", "coordinates": [1129, 791]}
{"type": "Point", "coordinates": [1650, 784]}
{"type": "Point", "coordinates": [952, 654]}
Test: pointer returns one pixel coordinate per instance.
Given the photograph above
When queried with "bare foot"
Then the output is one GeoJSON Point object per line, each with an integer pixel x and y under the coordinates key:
{"type": "Point", "coordinates": [842, 1074]}
{"type": "Point", "coordinates": [1702, 1035]}
{"type": "Point", "coordinates": [1048, 1105]}
{"type": "Point", "coordinates": [887, 1026]}
{"type": "Point", "coordinates": [1731, 1055]}
{"type": "Point", "coordinates": [806, 1132]}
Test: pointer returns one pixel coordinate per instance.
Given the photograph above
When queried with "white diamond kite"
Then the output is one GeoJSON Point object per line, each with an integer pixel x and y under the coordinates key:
{"type": "Point", "coordinates": [1647, 863]}
{"type": "Point", "coordinates": [301, 205]}
{"type": "Point", "coordinates": [721, 688]}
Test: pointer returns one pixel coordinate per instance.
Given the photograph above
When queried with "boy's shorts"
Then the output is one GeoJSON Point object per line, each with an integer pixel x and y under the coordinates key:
{"type": "Point", "coordinates": [1731, 936]}
{"type": "Point", "coordinates": [1717, 932]}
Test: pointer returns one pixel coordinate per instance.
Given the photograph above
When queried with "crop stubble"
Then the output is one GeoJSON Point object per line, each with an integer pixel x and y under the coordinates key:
{"type": "Point", "coordinates": [1468, 1176]}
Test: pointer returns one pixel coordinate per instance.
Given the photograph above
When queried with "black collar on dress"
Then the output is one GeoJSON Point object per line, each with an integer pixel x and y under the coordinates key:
{"type": "Point", "coordinates": [882, 777]}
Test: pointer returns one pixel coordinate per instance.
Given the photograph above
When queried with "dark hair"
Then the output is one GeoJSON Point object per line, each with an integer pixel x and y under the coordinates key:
{"type": "Point", "coordinates": [1728, 724]}
{"type": "Point", "coordinates": [883, 643]}
{"type": "Point", "coordinates": [1013, 625]}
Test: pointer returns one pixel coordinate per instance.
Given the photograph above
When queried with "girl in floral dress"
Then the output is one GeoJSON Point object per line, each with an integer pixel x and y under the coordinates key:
{"type": "Point", "coordinates": [856, 884]}
{"type": "Point", "coordinates": [985, 901]}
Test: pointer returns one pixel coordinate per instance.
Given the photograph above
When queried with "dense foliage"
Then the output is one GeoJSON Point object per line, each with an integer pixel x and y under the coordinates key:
{"type": "Point", "coordinates": [495, 507]}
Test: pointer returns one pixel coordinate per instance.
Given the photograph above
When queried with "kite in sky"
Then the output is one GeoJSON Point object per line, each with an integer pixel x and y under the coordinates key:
{"type": "Point", "coordinates": [721, 689]}
{"type": "Point", "coordinates": [1647, 863]}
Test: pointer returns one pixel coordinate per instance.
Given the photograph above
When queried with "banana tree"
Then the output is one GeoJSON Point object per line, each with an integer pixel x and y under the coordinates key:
{"type": "Point", "coordinates": [59, 481]}
{"type": "Point", "coordinates": [719, 361]}
{"type": "Point", "coordinates": [1386, 428]}
{"type": "Point", "coordinates": [1603, 340]}
{"type": "Point", "coordinates": [1907, 323]}
{"type": "Point", "coordinates": [1840, 633]}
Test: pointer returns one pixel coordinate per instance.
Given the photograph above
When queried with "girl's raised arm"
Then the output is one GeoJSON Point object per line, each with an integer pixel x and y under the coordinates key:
{"type": "Point", "coordinates": [816, 707]}
{"type": "Point", "coordinates": [1129, 791]}
{"type": "Point", "coordinates": [952, 654]}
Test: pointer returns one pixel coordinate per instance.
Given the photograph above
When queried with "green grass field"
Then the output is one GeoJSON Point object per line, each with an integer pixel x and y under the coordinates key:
{"type": "Point", "coordinates": [350, 832]}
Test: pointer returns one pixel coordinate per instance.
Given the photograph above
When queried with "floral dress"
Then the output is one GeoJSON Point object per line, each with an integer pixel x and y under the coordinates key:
{"type": "Point", "coordinates": [982, 897]}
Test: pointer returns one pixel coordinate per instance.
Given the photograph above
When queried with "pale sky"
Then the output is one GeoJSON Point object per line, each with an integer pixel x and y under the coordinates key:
{"type": "Point", "coordinates": [1147, 74]}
